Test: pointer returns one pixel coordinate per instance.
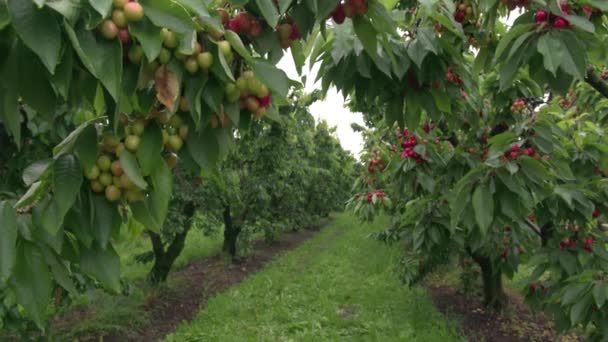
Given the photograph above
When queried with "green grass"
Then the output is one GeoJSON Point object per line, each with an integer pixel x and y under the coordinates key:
{"type": "Point", "coordinates": [338, 286]}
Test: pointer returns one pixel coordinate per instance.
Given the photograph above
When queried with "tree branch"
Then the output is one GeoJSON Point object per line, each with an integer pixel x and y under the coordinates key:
{"type": "Point", "coordinates": [596, 82]}
{"type": "Point", "coordinates": [534, 227]}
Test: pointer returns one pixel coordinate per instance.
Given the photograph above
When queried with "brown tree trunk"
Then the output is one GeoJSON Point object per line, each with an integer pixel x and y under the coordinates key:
{"type": "Point", "coordinates": [493, 292]}
{"type": "Point", "coordinates": [231, 233]}
{"type": "Point", "coordinates": [164, 258]}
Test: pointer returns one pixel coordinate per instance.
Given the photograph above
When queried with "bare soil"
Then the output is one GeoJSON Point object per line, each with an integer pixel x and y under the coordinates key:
{"type": "Point", "coordinates": [517, 324]}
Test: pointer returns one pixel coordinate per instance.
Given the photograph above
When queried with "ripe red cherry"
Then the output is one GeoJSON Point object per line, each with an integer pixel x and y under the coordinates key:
{"type": "Point", "coordinates": [338, 15]}
{"type": "Point", "coordinates": [295, 32]}
{"type": "Point", "coordinates": [541, 16]}
{"type": "Point", "coordinates": [243, 21]}
{"type": "Point", "coordinates": [124, 36]}
{"type": "Point", "coordinates": [596, 213]}
{"type": "Point", "coordinates": [233, 25]}
{"type": "Point", "coordinates": [371, 169]}
{"type": "Point", "coordinates": [514, 148]}
{"type": "Point", "coordinates": [459, 16]}
{"type": "Point", "coordinates": [560, 23]}
{"type": "Point", "coordinates": [264, 101]}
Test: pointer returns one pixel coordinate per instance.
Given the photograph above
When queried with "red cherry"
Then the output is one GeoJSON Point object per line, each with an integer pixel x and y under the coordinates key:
{"type": "Point", "coordinates": [338, 15]}
{"type": "Point", "coordinates": [243, 21]}
{"type": "Point", "coordinates": [295, 32]}
{"type": "Point", "coordinates": [532, 287]}
{"type": "Point", "coordinates": [233, 25]}
{"type": "Point", "coordinates": [124, 36]}
{"type": "Point", "coordinates": [264, 101]}
{"type": "Point", "coordinates": [541, 16]}
{"type": "Point", "coordinates": [565, 8]}
{"type": "Point", "coordinates": [459, 16]}
{"type": "Point", "coordinates": [596, 213]}
{"type": "Point", "coordinates": [514, 148]}
{"type": "Point", "coordinates": [560, 23]}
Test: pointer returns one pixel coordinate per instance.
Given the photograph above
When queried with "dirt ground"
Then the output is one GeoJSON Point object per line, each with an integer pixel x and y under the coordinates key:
{"type": "Point", "coordinates": [518, 324]}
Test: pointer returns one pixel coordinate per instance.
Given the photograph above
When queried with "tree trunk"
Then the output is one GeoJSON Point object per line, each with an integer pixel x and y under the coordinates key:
{"type": "Point", "coordinates": [231, 233]}
{"type": "Point", "coordinates": [164, 258]}
{"type": "Point", "coordinates": [493, 292]}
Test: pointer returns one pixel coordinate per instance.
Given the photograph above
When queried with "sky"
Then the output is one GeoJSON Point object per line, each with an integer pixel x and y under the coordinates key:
{"type": "Point", "coordinates": [330, 109]}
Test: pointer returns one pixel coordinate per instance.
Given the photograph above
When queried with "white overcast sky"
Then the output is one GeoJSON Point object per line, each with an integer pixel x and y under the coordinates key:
{"type": "Point", "coordinates": [330, 109]}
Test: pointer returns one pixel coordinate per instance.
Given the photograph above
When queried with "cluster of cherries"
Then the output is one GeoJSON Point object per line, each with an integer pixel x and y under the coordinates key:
{"type": "Point", "coordinates": [518, 107]}
{"type": "Point", "coordinates": [568, 244]}
{"type": "Point", "coordinates": [453, 78]}
{"type": "Point", "coordinates": [288, 32]}
{"type": "Point", "coordinates": [534, 287]}
{"type": "Point", "coordinates": [568, 100]}
{"type": "Point", "coordinates": [123, 13]}
{"type": "Point", "coordinates": [464, 11]}
{"type": "Point", "coordinates": [542, 16]}
{"type": "Point", "coordinates": [242, 23]}
{"type": "Point", "coordinates": [375, 163]}
{"type": "Point", "coordinates": [379, 193]}
{"type": "Point", "coordinates": [348, 9]}
{"type": "Point", "coordinates": [516, 151]}
{"type": "Point", "coordinates": [409, 142]}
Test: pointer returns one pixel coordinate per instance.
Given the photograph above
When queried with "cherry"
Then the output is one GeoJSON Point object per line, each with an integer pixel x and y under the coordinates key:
{"type": "Point", "coordinates": [459, 16]}
{"type": "Point", "coordinates": [541, 16]}
{"type": "Point", "coordinates": [560, 23]}
{"type": "Point", "coordinates": [108, 29]}
{"type": "Point", "coordinates": [134, 11]}
{"type": "Point", "coordinates": [596, 213]}
{"type": "Point", "coordinates": [243, 21]}
{"type": "Point", "coordinates": [124, 36]}
{"type": "Point", "coordinates": [338, 14]}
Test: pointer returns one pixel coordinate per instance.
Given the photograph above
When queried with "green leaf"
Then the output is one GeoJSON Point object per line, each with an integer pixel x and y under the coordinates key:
{"type": "Point", "coordinates": [150, 148]}
{"type": "Point", "coordinates": [103, 265]}
{"type": "Point", "coordinates": [574, 59]}
{"type": "Point", "coordinates": [32, 194]}
{"type": "Point", "coordinates": [102, 57]}
{"type": "Point", "coordinates": [574, 293]}
{"type": "Point", "coordinates": [237, 44]}
{"type": "Point", "coordinates": [32, 282]}
{"type": "Point", "coordinates": [505, 41]}
{"type": "Point", "coordinates": [10, 114]}
{"type": "Point", "coordinates": [38, 29]}
{"type": "Point", "coordinates": [552, 50]}
{"type": "Point", "coordinates": [148, 35]}
{"type": "Point", "coordinates": [483, 204]}
{"type": "Point", "coordinates": [442, 101]}
{"type": "Point", "coordinates": [367, 36]}
{"type": "Point", "coordinates": [67, 179]}
{"type": "Point", "coordinates": [33, 172]}
{"type": "Point", "coordinates": [34, 85]}
{"type": "Point", "coordinates": [67, 145]}
{"type": "Point", "coordinates": [204, 148]}
{"type": "Point", "coordinates": [106, 219]}
{"type": "Point", "coordinates": [86, 147]}
{"type": "Point", "coordinates": [275, 79]}
{"type": "Point", "coordinates": [599, 294]}
{"type": "Point", "coordinates": [131, 169]}
{"type": "Point", "coordinates": [200, 8]}
{"type": "Point", "coordinates": [269, 11]}
{"type": "Point", "coordinates": [102, 7]}
{"type": "Point", "coordinates": [580, 310]}
{"type": "Point", "coordinates": [284, 5]}
{"type": "Point", "coordinates": [8, 239]}
{"type": "Point", "coordinates": [169, 14]}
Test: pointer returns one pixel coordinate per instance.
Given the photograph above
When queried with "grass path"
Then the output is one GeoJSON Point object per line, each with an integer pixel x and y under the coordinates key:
{"type": "Point", "coordinates": [338, 286]}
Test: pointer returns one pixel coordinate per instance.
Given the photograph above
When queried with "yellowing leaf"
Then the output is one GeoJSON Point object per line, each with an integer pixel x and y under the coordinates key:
{"type": "Point", "coordinates": [167, 87]}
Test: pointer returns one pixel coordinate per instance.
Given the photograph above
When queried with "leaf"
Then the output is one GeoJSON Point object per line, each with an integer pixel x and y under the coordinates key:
{"type": "Point", "coordinates": [33, 172]}
{"type": "Point", "coordinates": [103, 265]}
{"type": "Point", "coordinates": [167, 87]}
{"type": "Point", "coordinates": [32, 194]}
{"type": "Point", "coordinates": [8, 239]}
{"type": "Point", "coordinates": [579, 310]}
{"type": "Point", "coordinates": [275, 79]}
{"type": "Point", "coordinates": [67, 179]}
{"type": "Point", "coordinates": [483, 204]}
{"type": "Point", "coordinates": [148, 35]}
{"type": "Point", "coordinates": [131, 169]}
{"type": "Point", "coordinates": [574, 60]}
{"type": "Point", "coordinates": [203, 148]}
{"type": "Point", "coordinates": [150, 148]}
{"type": "Point", "coordinates": [269, 11]}
{"type": "Point", "coordinates": [102, 7]}
{"type": "Point", "coordinates": [10, 114]}
{"type": "Point", "coordinates": [67, 145]}
{"type": "Point", "coordinates": [200, 8]}
{"type": "Point", "coordinates": [599, 294]}
{"type": "Point", "coordinates": [38, 29]}
{"type": "Point", "coordinates": [102, 57]}
{"type": "Point", "coordinates": [86, 147]}
{"type": "Point", "coordinates": [169, 14]}
{"type": "Point", "coordinates": [505, 40]}
{"type": "Point", "coordinates": [237, 44]}
{"type": "Point", "coordinates": [32, 282]}
{"type": "Point", "coordinates": [106, 219]}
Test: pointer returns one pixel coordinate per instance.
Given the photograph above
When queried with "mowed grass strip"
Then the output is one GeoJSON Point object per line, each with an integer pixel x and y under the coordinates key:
{"type": "Point", "coordinates": [338, 286]}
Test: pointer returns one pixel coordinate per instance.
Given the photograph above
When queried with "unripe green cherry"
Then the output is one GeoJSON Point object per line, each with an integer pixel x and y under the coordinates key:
{"type": "Point", "coordinates": [169, 38]}
{"type": "Point", "coordinates": [92, 173]}
{"type": "Point", "coordinates": [136, 54]}
{"type": "Point", "coordinates": [119, 3]}
{"type": "Point", "coordinates": [205, 60]}
{"type": "Point", "coordinates": [132, 143]}
{"type": "Point", "coordinates": [164, 56]}
{"type": "Point", "coordinates": [105, 179]}
{"type": "Point", "coordinates": [104, 162]}
{"type": "Point", "coordinates": [225, 48]}
{"type": "Point", "coordinates": [113, 193]}
{"type": "Point", "coordinates": [191, 65]}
